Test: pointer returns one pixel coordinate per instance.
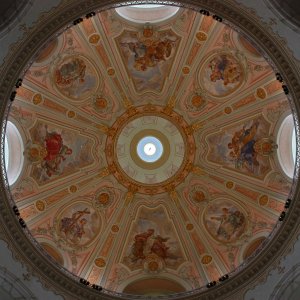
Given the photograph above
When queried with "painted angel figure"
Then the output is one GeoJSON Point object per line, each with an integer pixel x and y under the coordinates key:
{"type": "Point", "coordinates": [56, 152]}
{"type": "Point", "coordinates": [73, 228]}
{"type": "Point", "coordinates": [139, 245]}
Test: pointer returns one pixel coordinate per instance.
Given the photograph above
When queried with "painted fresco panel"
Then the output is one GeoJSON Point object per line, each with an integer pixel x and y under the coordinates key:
{"type": "Point", "coordinates": [224, 220]}
{"type": "Point", "coordinates": [77, 225]}
{"type": "Point", "coordinates": [245, 147]}
{"type": "Point", "coordinates": [222, 75]}
{"type": "Point", "coordinates": [148, 59]}
{"type": "Point", "coordinates": [153, 237]}
{"type": "Point", "coordinates": [75, 77]}
{"type": "Point", "coordinates": [55, 152]}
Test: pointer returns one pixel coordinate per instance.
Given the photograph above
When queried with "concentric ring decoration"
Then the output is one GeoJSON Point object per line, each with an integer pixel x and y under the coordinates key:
{"type": "Point", "coordinates": [175, 162]}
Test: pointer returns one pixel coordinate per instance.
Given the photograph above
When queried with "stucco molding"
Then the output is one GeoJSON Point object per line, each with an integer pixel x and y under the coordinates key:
{"type": "Point", "coordinates": [19, 59]}
{"type": "Point", "coordinates": [15, 12]}
{"type": "Point", "coordinates": [269, 26]}
{"type": "Point", "coordinates": [283, 15]}
{"type": "Point", "coordinates": [276, 264]}
{"type": "Point", "coordinates": [287, 284]}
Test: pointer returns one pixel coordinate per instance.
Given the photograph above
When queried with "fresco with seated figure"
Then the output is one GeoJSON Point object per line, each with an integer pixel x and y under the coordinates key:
{"type": "Point", "coordinates": [75, 77]}
{"type": "Point", "coordinates": [152, 238]}
{"type": "Point", "coordinates": [55, 152]}
{"type": "Point", "coordinates": [246, 147]}
{"type": "Point", "coordinates": [148, 57]}
{"type": "Point", "coordinates": [224, 220]}
{"type": "Point", "coordinates": [222, 75]}
{"type": "Point", "coordinates": [77, 225]}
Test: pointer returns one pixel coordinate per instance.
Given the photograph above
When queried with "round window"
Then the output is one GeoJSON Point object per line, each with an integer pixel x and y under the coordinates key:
{"type": "Point", "coordinates": [287, 146]}
{"type": "Point", "coordinates": [13, 150]}
{"type": "Point", "coordinates": [147, 13]}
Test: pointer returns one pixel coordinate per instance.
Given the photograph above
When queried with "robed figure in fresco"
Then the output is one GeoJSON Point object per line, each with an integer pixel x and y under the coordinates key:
{"type": "Point", "coordinates": [49, 151]}
{"type": "Point", "coordinates": [242, 147]}
{"type": "Point", "coordinates": [246, 147]}
{"type": "Point", "coordinates": [73, 228]}
{"type": "Point", "coordinates": [226, 69]}
{"type": "Point", "coordinates": [147, 56]}
{"type": "Point", "coordinates": [222, 74]}
{"type": "Point", "coordinates": [152, 243]}
{"type": "Point", "coordinates": [140, 243]}
{"type": "Point", "coordinates": [159, 247]}
{"type": "Point", "coordinates": [231, 224]}
{"type": "Point", "coordinates": [56, 152]}
{"type": "Point", "coordinates": [71, 71]}
{"type": "Point", "coordinates": [146, 243]}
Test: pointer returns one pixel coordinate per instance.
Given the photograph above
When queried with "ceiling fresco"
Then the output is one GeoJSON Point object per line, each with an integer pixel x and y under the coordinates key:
{"type": "Point", "coordinates": [197, 213]}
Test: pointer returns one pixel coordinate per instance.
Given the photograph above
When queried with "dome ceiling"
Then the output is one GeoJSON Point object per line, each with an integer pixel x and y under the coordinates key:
{"type": "Point", "coordinates": [215, 192]}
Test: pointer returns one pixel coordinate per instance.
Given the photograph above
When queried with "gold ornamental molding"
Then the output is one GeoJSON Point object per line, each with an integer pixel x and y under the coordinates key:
{"type": "Point", "coordinates": [157, 111]}
{"type": "Point", "coordinates": [20, 240]}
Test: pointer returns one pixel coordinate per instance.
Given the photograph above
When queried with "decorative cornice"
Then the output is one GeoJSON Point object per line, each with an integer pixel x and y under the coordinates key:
{"type": "Point", "coordinates": [268, 28]}
{"type": "Point", "coordinates": [14, 12]}
{"type": "Point", "coordinates": [57, 279]}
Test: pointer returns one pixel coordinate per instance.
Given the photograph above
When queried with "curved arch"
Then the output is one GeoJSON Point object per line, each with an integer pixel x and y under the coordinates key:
{"type": "Point", "coordinates": [286, 141]}
{"type": "Point", "coordinates": [10, 12]}
{"type": "Point", "coordinates": [147, 13]}
{"type": "Point", "coordinates": [289, 287]}
{"type": "Point", "coordinates": [252, 246]}
{"type": "Point", "coordinates": [12, 288]}
{"type": "Point", "coordinates": [14, 149]}
{"type": "Point", "coordinates": [53, 252]}
{"type": "Point", "coordinates": [153, 287]}
{"type": "Point", "coordinates": [287, 10]}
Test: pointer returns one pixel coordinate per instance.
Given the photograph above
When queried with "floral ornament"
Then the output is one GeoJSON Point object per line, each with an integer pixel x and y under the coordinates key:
{"type": "Point", "coordinates": [198, 195]}
{"type": "Point", "coordinates": [103, 198]}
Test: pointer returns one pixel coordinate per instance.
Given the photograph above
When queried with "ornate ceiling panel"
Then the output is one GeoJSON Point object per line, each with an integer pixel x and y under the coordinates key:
{"type": "Point", "coordinates": [102, 212]}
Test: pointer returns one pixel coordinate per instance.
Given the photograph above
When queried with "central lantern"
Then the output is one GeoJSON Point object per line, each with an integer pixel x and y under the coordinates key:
{"type": "Point", "coordinates": [150, 149]}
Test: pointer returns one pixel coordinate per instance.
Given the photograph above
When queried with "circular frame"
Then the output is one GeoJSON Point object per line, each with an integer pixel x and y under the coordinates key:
{"type": "Point", "coordinates": [20, 240]}
{"type": "Point", "coordinates": [203, 72]}
{"type": "Point", "coordinates": [161, 160]}
{"type": "Point", "coordinates": [138, 112]}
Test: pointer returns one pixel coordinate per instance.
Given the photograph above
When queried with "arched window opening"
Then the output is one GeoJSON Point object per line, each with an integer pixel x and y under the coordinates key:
{"type": "Point", "coordinates": [147, 12]}
{"type": "Point", "coordinates": [147, 5]}
{"type": "Point", "coordinates": [154, 287]}
{"type": "Point", "coordinates": [13, 153]}
{"type": "Point", "coordinates": [286, 141]}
